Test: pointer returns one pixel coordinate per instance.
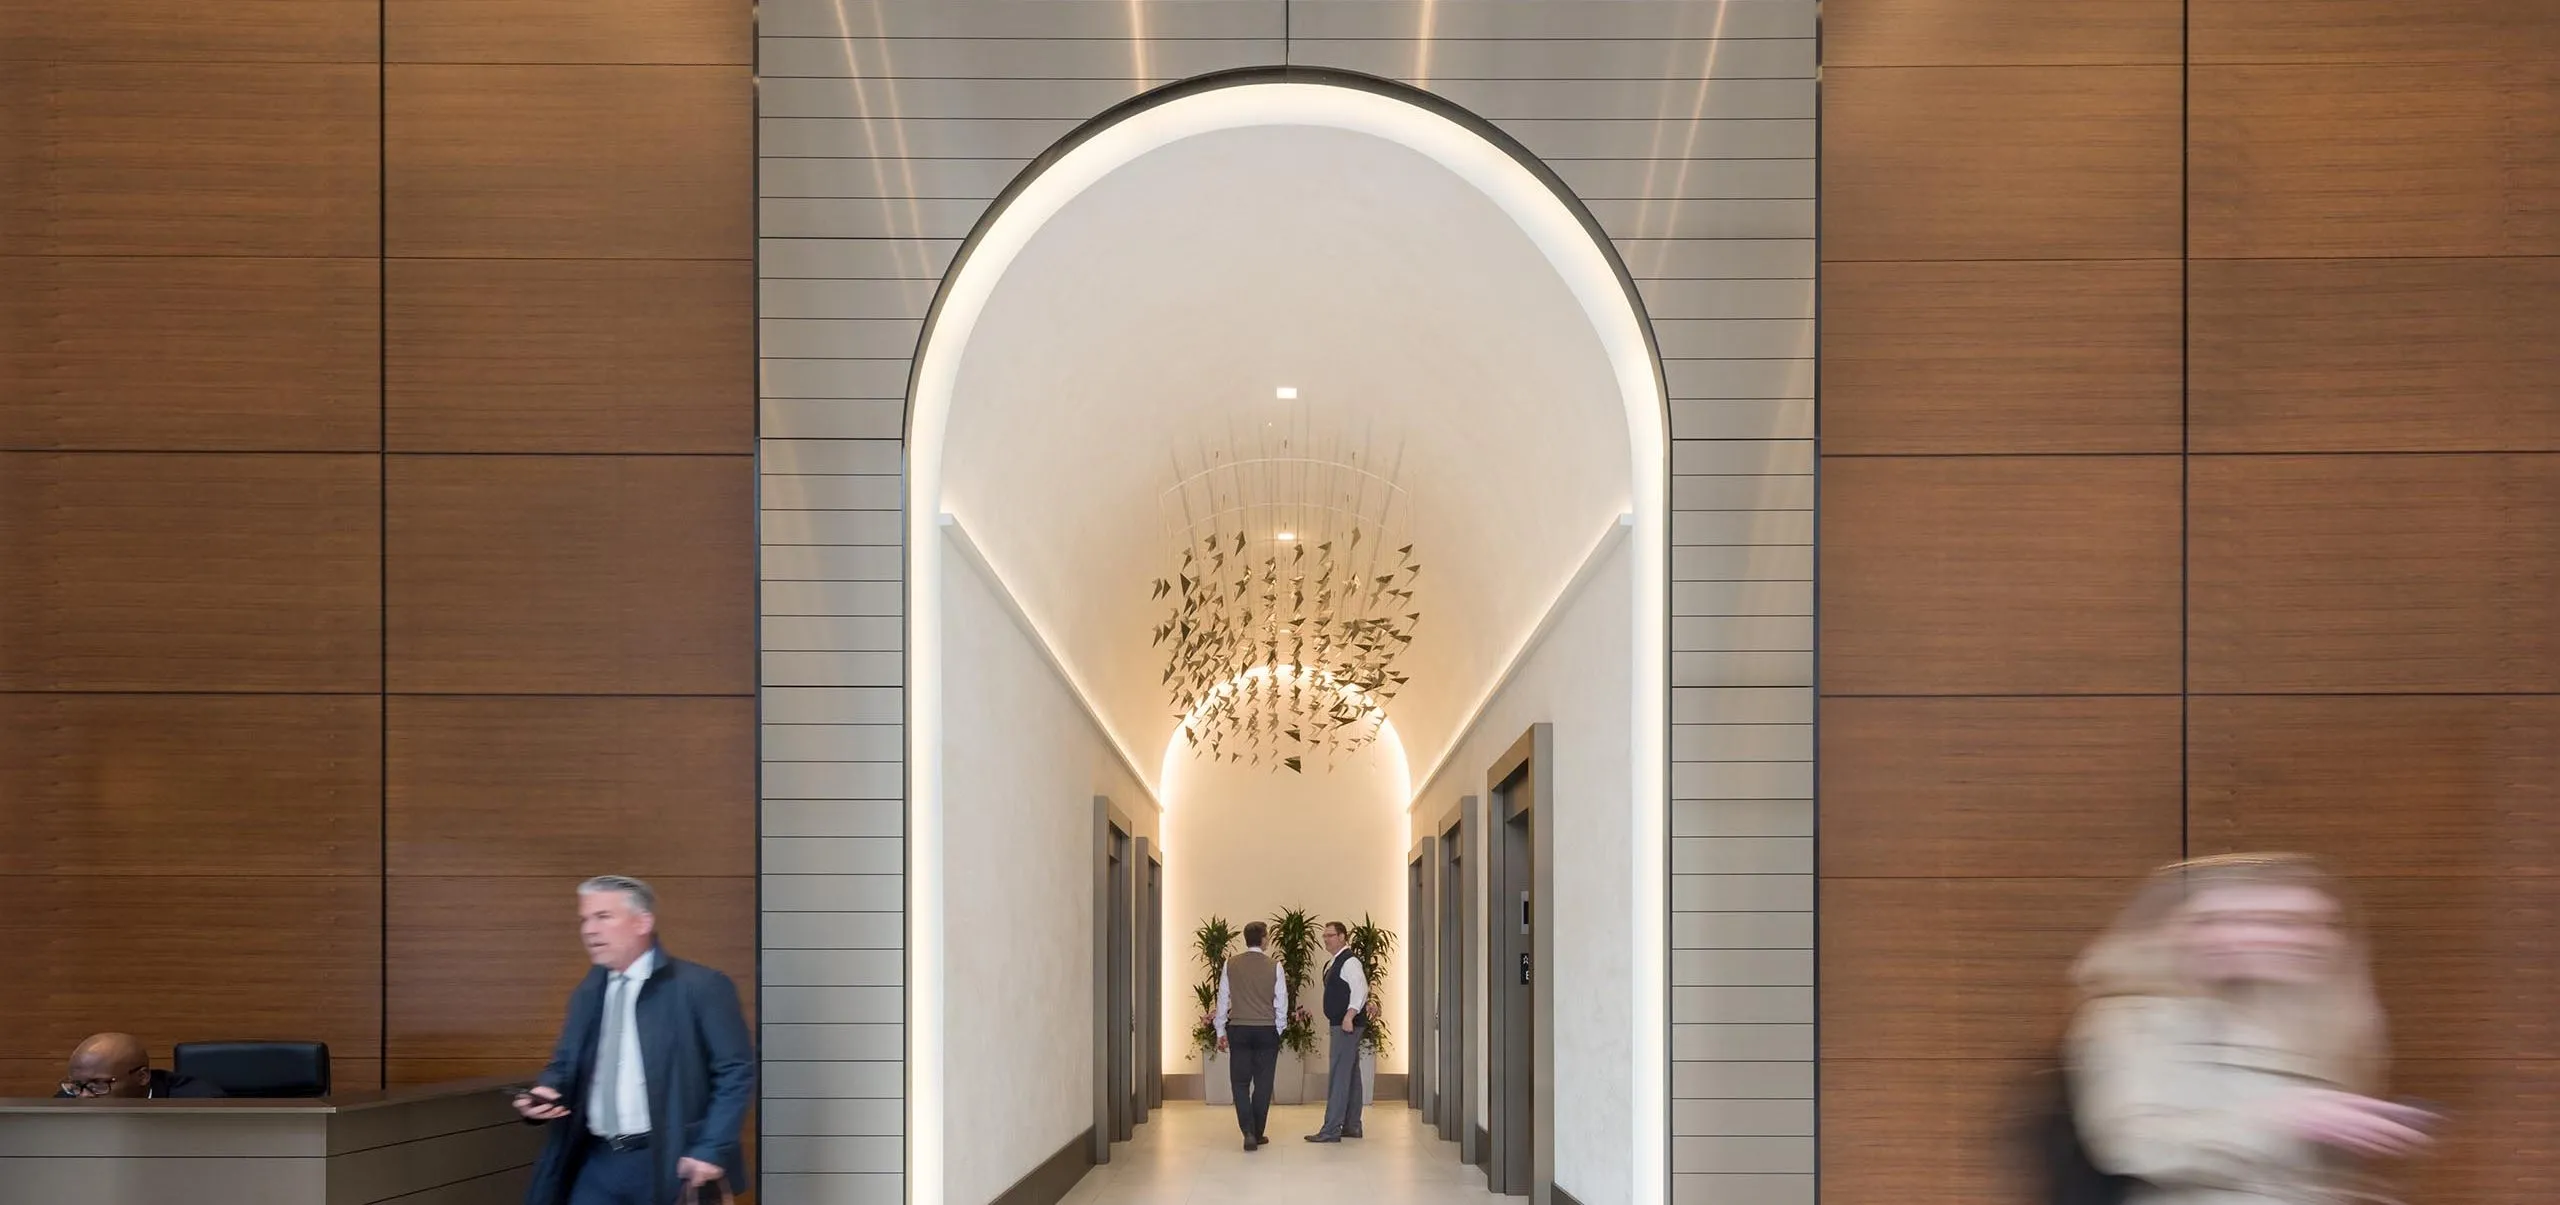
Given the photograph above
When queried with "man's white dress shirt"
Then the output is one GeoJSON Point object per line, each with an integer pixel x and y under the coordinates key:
{"type": "Point", "coordinates": [629, 1091]}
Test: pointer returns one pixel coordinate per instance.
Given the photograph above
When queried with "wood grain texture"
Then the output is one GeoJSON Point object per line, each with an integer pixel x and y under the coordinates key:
{"type": "Point", "coordinates": [2000, 163]}
{"type": "Point", "coordinates": [568, 31]}
{"type": "Point", "coordinates": [189, 572]}
{"type": "Point", "coordinates": [2464, 962]}
{"type": "Point", "coordinates": [184, 354]}
{"type": "Point", "coordinates": [2364, 32]}
{"type": "Point", "coordinates": [178, 959]}
{"type": "Point", "coordinates": [2375, 573]}
{"type": "Point", "coordinates": [188, 159]}
{"type": "Point", "coordinates": [210, 785]}
{"type": "Point", "coordinates": [570, 356]}
{"type": "Point", "coordinates": [1954, 969]}
{"type": "Point", "coordinates": [577, 575]}
{"type": "Point", "coordinates": [556, 786]}
{"type": "Point", "coordinates": [1999, 575]}
{"type": "Point", "coordinates": [2468, 964]}
{"type": "Point", "coordinates": [2503, 1144]}
{"type": "Point", "coordinates": [570, 162]}
{"type": "Point", "coordinates": [2406, 785]}
{"type": "Point", "coordinates": [2437, 160]}
{"type": "Point", "coordinates": [2375, 355]}
{"type": "Point", "coordinates": [177, 31]}
{"type": "Point", "coordinates": [1998, 33]}
{"type": "Point", "coordinates": [480, 968]}
{"type": "Point", "coordinates": [2000, 357]}
{"type": "Point", "coordinates": [1901, 1130]}
{"type": "Point", "coordinates": [1927, 788]}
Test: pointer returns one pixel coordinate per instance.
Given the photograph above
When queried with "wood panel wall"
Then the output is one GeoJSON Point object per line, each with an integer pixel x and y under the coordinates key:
{"type": "Point", "coordinates": [376, 520]}
{"type": "Point", "coordinates": [2191, 483]}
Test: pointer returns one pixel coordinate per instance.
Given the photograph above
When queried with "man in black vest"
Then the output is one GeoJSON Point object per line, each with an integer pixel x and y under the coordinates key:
{"type": "Point", "coordinates": [1346, 1005]}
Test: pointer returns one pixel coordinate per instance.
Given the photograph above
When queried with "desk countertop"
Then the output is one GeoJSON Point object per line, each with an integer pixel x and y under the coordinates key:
{"type": "Point", "coordinates": [344, 1102]}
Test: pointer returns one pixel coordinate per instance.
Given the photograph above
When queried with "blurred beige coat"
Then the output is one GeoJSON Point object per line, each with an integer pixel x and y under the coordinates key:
{"type": "Point", "coordinates": [2179, 1088]}
{"type": "Point", "coordinates": [2182, 1098]}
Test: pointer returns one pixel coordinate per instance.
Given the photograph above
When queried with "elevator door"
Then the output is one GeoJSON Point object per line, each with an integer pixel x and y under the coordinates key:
{"type": "Point", "coordinates": [1116, 1021]}
{"type": "Point", "coordinates": [1514, 1016]}
{"type": "Point", "coordinates": [1151, 993]}
{"type": "Point", "coordinates": [1519, 842]}
{"type": "Point", "coordinates": [1417, 1033]}
{"type": "Point", "coordinates": [1457, 969]}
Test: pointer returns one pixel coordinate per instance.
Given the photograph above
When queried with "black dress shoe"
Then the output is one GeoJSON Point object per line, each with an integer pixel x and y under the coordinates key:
{"type": "Point", "coordinates": [1324, 1137]}
{"type": "Point", "coordinates": [1259, 1140]}
{"type": "Point", "coordinates": [1351, 1133]}
{"type": "Point", "coordinates": [1251, 1145]}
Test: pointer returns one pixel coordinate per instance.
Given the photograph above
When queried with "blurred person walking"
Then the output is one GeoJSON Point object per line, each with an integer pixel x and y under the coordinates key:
{"type": "Point", "coordinates": [2229, 1047]}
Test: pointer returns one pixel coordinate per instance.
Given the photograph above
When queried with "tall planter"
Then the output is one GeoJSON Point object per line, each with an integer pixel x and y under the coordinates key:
{"type": "Point", "coordinates": [1313, 1076]}
{"type": "Point", "coordinates": [1288, 1081]}
{"type": "Point", "coordinates": [1209, 944]}
{"type": "Point", "coordinates": [1216, 1086]}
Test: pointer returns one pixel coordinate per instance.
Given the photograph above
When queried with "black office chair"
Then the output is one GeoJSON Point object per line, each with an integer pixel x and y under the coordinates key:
{"type": "Point", "coordinates": [257, 1069]}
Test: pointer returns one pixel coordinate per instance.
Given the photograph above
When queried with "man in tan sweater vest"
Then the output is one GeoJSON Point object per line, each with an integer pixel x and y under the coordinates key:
{"type": "Point", "coordinates": [1251, 1003]}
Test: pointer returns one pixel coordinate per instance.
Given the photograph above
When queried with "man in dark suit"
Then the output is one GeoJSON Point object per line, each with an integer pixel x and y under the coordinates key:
{"type": "Point", "coordinates": [650, 1083]}
{"type": "Point", "coordinates": [116, 1064]}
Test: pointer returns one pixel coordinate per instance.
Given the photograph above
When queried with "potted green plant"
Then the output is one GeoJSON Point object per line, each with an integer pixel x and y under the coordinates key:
{"type": "Point", "coordinates": [1295, 937]}
{"type": "Point", "coordinates": [1374, 945]}
{"type": "Point", "coordinates": [1210, 944]}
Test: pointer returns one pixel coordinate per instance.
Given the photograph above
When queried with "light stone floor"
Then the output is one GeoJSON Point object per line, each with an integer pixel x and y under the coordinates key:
{"type": "Point", "coordinates": [1189, 1153]}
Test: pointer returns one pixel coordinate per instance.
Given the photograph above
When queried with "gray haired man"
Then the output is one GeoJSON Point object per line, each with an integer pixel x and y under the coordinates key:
{"type": "Point", "coordinates": [621, 1135]}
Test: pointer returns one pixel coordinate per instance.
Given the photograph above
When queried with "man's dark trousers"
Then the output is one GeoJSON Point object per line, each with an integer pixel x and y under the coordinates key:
{"type": "Point", "coordinates": [610, 1177]}
{"type": "Point", "coordinates": [1253, 1058]}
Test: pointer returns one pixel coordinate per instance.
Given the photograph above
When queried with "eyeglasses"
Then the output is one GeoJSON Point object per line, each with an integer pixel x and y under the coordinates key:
{"type": "Point", "coordinates": [99, 1087]}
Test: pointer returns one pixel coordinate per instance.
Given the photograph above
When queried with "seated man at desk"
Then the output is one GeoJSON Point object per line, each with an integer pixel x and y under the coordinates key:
{"type": "Point", "coordinates": [117, 1064]}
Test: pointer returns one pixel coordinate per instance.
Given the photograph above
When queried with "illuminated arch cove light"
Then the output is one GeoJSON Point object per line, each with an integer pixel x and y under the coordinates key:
{"type": "Point", "coordinates": [1556, 228]}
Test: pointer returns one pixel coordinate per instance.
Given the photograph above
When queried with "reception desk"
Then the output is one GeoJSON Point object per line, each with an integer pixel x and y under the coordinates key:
{"type": "Point", "coordinates": [445, 1144]}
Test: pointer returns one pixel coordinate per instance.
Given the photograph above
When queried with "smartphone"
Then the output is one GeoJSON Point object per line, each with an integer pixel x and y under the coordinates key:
{"type": "Point", "coordinates": [515, 1094]}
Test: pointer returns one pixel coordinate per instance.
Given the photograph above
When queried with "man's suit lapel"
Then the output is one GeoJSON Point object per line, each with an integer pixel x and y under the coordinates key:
{"type": "Point", "coordinates": [654, 1013]}
{"type": "Point", "coordinates": [591, 996]}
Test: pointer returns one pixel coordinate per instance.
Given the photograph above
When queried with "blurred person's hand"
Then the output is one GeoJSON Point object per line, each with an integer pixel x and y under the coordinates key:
{"type": "Point", "coordinates": [540, 1103]}
{"type": "Point", "coordinates": [2359, 1124]}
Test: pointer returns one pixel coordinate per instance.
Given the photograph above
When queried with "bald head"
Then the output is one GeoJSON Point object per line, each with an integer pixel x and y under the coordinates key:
{"type": "Point", "coordinates": [111, 1064]}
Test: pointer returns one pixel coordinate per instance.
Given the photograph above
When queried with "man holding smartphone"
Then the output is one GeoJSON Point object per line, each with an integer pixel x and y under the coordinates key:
{"type": "Point", "coordinates": [619, 1135]}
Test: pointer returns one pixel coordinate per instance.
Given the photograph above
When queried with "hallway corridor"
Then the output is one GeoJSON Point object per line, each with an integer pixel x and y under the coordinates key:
{"type": "Point", "coordinates": [1189, 1152]}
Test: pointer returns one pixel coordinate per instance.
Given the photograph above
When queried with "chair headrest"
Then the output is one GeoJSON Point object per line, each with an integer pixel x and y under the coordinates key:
{"type": "Point", "coordinates": [257, 1069]}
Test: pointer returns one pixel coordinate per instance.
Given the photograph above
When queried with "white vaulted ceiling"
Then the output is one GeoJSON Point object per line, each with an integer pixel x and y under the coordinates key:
{"type": "Point", "coordinates": [1174, 296]}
